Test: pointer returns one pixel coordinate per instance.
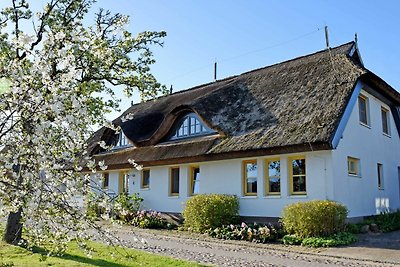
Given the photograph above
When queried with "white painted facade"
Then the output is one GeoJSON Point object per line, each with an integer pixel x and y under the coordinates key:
{"type": "Point", "coordinates": [326, 172]}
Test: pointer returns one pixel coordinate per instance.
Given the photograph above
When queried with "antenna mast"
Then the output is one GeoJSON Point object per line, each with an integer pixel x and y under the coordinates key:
{"type": "Point", "coordinates": [326, 37]}
{"type": "Point", "coordinates": [215, 70]}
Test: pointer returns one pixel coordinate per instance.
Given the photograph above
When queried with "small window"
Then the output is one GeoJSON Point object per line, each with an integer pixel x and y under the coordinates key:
{"type": "Point", "coordinates": [363, 109]}
{"type": "Point", "coordinates": [250, 178]}
{"type": "Point", "coordinates": [297, 172]}
{"type": "Point", "coordinates": [174, 182]}
{"type": "Point", "coordinates": [273, 175]}
{"type": "Point", "coordinates": [385, 121]}
{"type": "Point", "coordinates": [194, 180]}
{"type": "Point", "coordinates": [122, 141]}
{"type": "Point", "coordinates": [105, 180]}
{"type": "Point", "coordinates": [353, 166]}
{"type": "Point", "coordinates": [380, 175]}
{"type": "Point", "coordinates": [145, 183]}
{"type": "Point", "coordinates": [123, 182]}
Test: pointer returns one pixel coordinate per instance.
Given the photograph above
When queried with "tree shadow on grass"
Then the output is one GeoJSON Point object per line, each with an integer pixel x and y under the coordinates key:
{"type": "Point", "coordinates": [81, 259]}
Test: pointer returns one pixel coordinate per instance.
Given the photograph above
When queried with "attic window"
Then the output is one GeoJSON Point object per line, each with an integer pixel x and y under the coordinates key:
{"type": "Point", "coordinates": [122, 141]}
{"type": "Point", "coordinates": [190, 125]}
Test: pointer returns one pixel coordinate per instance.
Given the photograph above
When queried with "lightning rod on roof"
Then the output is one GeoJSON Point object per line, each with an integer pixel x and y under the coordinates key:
{"type": "Point", "coordinates": [326, 37]}
{"type": "Point", "coordinates": [215, 70]}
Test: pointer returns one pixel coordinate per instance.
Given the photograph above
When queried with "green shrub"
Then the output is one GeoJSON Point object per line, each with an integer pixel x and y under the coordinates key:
{"type": "Point", "coordinates": [203, 212]}
{"type": "Point", "coordinates": [291, 240]}
{"type": "Point", "coordinates": [353, 228]}
{"type": "Point", "coordinates": [126, 206]}
{"type": "Point", "coordinates": [387, 221]}
{"type": "Point", "coordinates": [314, 218]}
{"type": "Point", "coordinates": [340, 239]}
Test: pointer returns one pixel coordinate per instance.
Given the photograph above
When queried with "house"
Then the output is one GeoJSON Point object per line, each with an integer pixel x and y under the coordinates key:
{"type": "Point", "coordinates": [320, 126]}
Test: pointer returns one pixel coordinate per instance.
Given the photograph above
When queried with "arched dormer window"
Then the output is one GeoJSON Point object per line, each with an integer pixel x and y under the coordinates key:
{"type": "Point", "coordinates": [122, 141]}
{"type": "Point", "coordinates": [189, 126]}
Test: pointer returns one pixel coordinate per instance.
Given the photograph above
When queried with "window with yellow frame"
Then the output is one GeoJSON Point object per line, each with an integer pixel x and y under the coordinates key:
{"type": "Point", "coordinates": [145, 181]}
{"type": "Point", "coordinates": [250, 177]}
{"type": "Point", "coordinates": [297, 175]}
{"type": "Point", "coordinates": [194, 180]}
{"type": "Point", "coordinates": [273, 177]}
{"type": "Point", "coordinates": [174, 181]}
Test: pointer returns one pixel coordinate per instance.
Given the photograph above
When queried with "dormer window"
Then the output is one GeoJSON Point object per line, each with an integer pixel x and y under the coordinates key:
{"type": "Point", "coordinates": [190, 125]}
{"type": "Point", "coordinates": [122, 141]}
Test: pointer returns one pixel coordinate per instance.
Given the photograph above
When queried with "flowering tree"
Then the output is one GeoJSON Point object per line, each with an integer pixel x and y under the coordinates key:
{"type": "Point", "coordinates": [55, 76]}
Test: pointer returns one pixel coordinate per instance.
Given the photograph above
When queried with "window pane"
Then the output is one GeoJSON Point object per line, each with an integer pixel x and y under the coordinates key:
{"type": "Point", "coordinates": [385, 126]}
{"type": "Point", "coordinates": [380, 176]}
{"type": "Point", "coordinates": [175, 181]}
{"type": "Point", "coordinates": [146, 178]}
{"type": "Point", "coordinates": [299, 166]}
{"type": "Point", "coordinates": [106, 180]}
{"type": "Point", "coordinates": [362, 107]}
{"type": "Point", "coordinates": [251, 185]}
{"type": "Point", "coordinates": [251, 169]}
{"type": "Point", "coordinates": [274, 185]}
{"type": "Point", "coordinates": [299, 183]}
{"type": "Point", "coordinates": [274, 168]}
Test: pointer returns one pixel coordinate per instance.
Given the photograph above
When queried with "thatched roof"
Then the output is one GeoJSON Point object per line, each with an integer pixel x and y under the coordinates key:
{"type": "Point", "coordinates": [291, 106]}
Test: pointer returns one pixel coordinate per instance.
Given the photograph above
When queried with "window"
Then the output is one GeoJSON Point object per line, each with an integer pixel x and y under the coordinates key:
{"type": "Point", "coordinates": [380, 175]}
{"type": "Point", "coordinates": [174, 182]}
{"type": "Point", "coordinates": [250, 178]}
{"type": "Point", "coordinates": [190, 125]}
{"type": "Point", "coordinates": [363, 109]}
{"type": "Point", "coordinates": [353, 166]}
{"type": "Point", "coordinates": [297, 175]}
{"type": "Point", "coordinates": [194, 180]}
{"type": "Point", "coordinates": [385, 121]}
{"type": "Point", "coordinates": [145, 182]}
{"type": "Point", "coordinates": [105, 180]}
{"type": "Point", "coordinates": [273, 175]}
{"type": "Point", "coordinates": [122, 140]}
{"type": "Point", "coordinates": [123, 182]}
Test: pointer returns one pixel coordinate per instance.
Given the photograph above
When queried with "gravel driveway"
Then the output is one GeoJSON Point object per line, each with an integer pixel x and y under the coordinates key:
{"type": "Point", "coordinates": [205, 250]}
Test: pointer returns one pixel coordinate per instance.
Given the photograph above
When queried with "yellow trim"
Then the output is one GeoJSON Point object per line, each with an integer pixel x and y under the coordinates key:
{"type": "Point", "coordinates": [266, 178]}
{"type": "Point", "coordinates": [142, 179]}
{"type": "Point", "coordinates": [103, 180]}
{"type": "Point", "coordinates": [191, 179]}
{"type": "Point", "coordinates": [170, 182]}
{"type": "Point", "coordinates": [290, 167]}
{"type": "Point", "coordinates": [355, 162]}
{"type": "Point", "coordinates": [244, 178]}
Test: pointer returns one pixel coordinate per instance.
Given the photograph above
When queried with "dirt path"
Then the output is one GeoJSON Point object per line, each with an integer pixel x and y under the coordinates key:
{"type": "Point", "coordinates": [210, 251]}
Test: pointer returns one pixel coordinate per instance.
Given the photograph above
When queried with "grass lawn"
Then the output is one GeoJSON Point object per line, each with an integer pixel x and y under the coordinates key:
{"type": "Point", "coordinates": [17, 256]}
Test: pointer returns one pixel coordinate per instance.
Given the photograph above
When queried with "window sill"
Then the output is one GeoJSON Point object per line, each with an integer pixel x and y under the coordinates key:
{"type": "Point", "coordinates": [354, 175]}
{"type": "Point", "coordinates": [144, 189]}
{"type": "Point", "coordinates": [173, 196]}
{"type": "Point", "coordinates": [248, 197]}
{"type": "Point", "coordinates": [297, 196]}
{"type": "Point", "coordinates": [272, 196]}
{"type": "Point", "coordinates": [387, 135]}
{"type": "Point", "coordinates": [365, 125]}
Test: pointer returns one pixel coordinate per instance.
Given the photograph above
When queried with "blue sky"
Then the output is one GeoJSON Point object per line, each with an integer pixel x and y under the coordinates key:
{"type": "Point", "coordinates": [246, 34]}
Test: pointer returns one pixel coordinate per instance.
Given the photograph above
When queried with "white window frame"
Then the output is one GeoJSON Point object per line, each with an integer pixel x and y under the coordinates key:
{"type": "Point", "coordinates": [190, 125]}
{"type": "Point", "coordinates": [357, 165]}
{"type": "Point", "coordinates": [386, 111]}
{"type": "Point", "coordinates": [367, 117]}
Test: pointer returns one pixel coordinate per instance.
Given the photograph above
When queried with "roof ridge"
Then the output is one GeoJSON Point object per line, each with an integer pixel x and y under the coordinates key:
{"type": "Point", "coordinates": [300, 57]}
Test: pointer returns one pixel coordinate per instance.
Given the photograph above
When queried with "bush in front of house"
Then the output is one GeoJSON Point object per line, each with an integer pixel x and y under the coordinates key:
{"type": "Point", "coordinates": [317, 218]}
{"type": "Point", "coordinates": [339, 239]}
{"type": "Point", "coordinates": [259, 233]}
{"type": "Point", "coordinates": [149, 220]}
{"type": "Point", "coordinates": [386, 221]}
{"type": "Point", "coordinates": [126, 206]}
{"type": "Point", "coordinates": [204, 212]}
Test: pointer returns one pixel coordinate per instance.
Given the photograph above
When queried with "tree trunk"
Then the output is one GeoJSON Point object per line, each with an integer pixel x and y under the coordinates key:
{"type": "Point", "coordinates": [13, 231]}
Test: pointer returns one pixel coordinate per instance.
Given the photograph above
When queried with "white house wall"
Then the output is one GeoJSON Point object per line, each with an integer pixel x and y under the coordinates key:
{"type": "Point", "coordinates": [369, 144]}
{"type": "Point", "coordinates": [225, 177]}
